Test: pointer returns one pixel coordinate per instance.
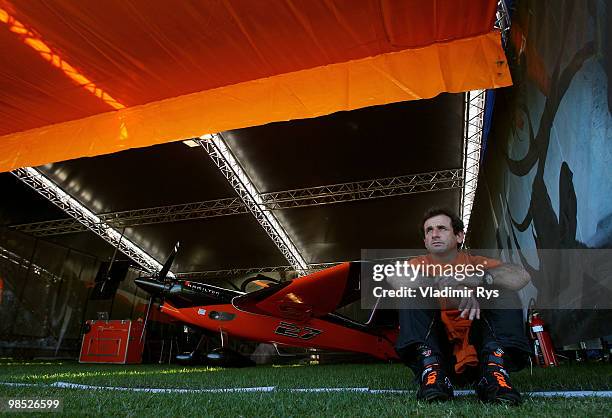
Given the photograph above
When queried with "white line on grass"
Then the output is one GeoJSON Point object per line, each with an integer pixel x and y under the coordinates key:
{"type": "Point", "coordinates": [68, 385]}
{"type": "Point", "coordinates": [21, 384]}
{"type": "Point", "coordinates": [162, 390]}
{"type": "Point", "coordinates": [327, 390]}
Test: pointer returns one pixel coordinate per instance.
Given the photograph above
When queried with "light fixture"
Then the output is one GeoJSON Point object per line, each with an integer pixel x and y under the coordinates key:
{"type": "Point", "coordinates": [191, 143]}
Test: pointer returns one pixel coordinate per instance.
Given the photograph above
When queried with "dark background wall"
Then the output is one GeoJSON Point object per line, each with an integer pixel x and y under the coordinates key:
{"type": "Point", "coordinates": [46, 295]}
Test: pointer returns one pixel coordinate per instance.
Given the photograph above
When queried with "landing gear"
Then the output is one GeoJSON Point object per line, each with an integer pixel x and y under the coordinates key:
{"type": "Point", "coordinates": [219, 357]}
{"type": "Point", "coordinates": [226, 357]}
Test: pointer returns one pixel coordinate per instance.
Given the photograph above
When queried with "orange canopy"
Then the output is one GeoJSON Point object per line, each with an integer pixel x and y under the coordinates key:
{"type": "Point", "coordinates": [87, 77]}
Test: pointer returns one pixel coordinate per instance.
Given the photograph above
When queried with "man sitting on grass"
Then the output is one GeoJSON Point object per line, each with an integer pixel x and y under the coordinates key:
{"type": "Point", "coordinates": [458, 338]}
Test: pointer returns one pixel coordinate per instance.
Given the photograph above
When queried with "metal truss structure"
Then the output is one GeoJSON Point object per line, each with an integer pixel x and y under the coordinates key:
{"type": "Point", "coordinates": [201, 275]}
{"type": "Point", "coordinates": [208, 209]}
{"type": "Point", "coordinates": [319, 195]}
{"type": "Point", "coordinates": [36, 270]}
{"type": "Point", "coordinates": [502, 20]}
{"type": "Point", "coordinates": [475, 103]}
{"type": "Point", "coordinates": [472, 142]}
{"type": "Point", "coordinates": [52, 192]}
{"type": "Point", "coordinates": [364, 190]}
{"type": "Point", "coordinates": [161, 214]}
{"type": "Point", "coordinates": [231, 169]}
{"type": "Point", "coordinates": [50, 228]}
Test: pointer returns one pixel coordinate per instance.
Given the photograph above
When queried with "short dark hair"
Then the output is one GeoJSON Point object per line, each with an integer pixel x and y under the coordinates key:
{"type": "Point", "coordinates": [456, 222]}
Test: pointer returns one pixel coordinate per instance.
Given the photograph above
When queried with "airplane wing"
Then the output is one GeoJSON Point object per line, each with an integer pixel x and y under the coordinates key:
{"type": "Point", "coordinates": [314, 295]}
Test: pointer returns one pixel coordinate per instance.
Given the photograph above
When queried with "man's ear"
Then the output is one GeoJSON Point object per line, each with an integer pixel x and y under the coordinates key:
{"type": "Point", "coordinates": [460, 237]}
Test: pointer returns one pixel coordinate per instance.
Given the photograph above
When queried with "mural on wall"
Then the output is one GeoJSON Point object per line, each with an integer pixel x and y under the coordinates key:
{"type": "Point", "coordinates": [545, 180]}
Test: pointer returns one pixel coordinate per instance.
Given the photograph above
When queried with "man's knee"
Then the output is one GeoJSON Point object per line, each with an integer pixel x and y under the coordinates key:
{"type": "Point", "coordinates": [506, 324]}
{"type": "Point", "coordinates": [505, 329]}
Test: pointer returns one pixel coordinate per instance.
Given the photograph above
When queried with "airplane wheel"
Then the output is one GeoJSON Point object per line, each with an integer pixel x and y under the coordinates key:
{"type": "Point", "coordinates": [226, 357]}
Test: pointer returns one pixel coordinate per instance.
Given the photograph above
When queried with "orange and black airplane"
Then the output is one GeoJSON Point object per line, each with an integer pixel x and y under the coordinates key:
{"type": "Point", "coordinates": [297, 313]}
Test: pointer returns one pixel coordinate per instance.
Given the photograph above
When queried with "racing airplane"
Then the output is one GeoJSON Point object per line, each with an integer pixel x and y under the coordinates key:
{"type": "Point", "coordinates": [297, 313]}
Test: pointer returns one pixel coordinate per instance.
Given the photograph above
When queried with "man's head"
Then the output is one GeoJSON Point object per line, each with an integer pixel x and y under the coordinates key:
{"type": "Point", "coordinates": [442, 232]}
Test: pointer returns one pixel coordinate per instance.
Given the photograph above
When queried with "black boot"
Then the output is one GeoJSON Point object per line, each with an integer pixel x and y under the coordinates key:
{"type": "Point", "coordinates": [495, 385]}
{"type": "Point", "coordinates": [434, 384]}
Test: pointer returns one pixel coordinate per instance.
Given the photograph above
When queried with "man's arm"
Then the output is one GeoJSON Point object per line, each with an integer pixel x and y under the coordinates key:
{"type": "Point", "coordinates": [506, 276]}
{"type": "Point", "coordinates": [509, 276]}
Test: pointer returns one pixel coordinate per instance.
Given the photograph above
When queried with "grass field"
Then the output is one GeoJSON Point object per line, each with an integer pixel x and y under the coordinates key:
{"type": "Point", "coordinates": [282, 402]}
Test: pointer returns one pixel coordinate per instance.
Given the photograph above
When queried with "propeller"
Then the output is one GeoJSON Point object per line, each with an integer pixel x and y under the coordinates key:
{"type": "Point", "coordinates": [161, 276]}
{"type": "Point", "coordinates": [166, 267]}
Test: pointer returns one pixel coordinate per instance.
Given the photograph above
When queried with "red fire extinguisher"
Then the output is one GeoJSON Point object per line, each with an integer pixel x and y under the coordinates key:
{"type": "Point", "coordinates": [542, 343]}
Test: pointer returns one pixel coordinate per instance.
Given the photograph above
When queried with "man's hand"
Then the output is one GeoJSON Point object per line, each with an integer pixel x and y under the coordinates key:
{"type": "Point", "coordinates": [505, 276]}
{"type": "Point", "coordinates": [468, 306]}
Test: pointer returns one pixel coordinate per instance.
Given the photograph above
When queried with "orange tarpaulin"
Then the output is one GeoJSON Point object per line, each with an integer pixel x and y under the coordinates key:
{"type": "Point", "coordinates": [83, 78]}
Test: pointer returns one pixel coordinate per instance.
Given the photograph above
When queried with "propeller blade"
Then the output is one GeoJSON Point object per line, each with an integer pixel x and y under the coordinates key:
{"type": "Point", "coordinates": [166, 268]}
{"type": "Point", "coordinates": [154, 287]}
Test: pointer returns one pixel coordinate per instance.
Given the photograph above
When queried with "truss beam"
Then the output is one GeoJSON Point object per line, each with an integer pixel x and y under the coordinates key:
{"type": "Point", "coordinates": [472, 143]}
{"type": "Point", "coordinates": [224, 159]}
{"type": "Point", "coordinates": [319, 195]}
{"type": "Point", "coordinates": [52, 192]}
{"type": "Point", "coordinates": [502, 20]}
{"type": "Point", "coordinates": [11, 257]}
{"type": "Point", "coordinates": [364, 190]}
{"type": "Point", "coordinates": [238, 272]}
{"type": "Point", "coordinates": [475, 103]}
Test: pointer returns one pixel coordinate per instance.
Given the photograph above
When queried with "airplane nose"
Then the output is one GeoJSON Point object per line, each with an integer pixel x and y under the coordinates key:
{"type": "Point", "coordinates": [150, 286]}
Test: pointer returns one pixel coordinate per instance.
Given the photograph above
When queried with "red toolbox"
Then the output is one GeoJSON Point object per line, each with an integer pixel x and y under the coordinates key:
{"type": "Point", "coordinates": [112, 342]}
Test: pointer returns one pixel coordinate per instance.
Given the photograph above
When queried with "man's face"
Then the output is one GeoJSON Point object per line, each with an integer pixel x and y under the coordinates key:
{"type": "Point", "coordinates": [439, 236]}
